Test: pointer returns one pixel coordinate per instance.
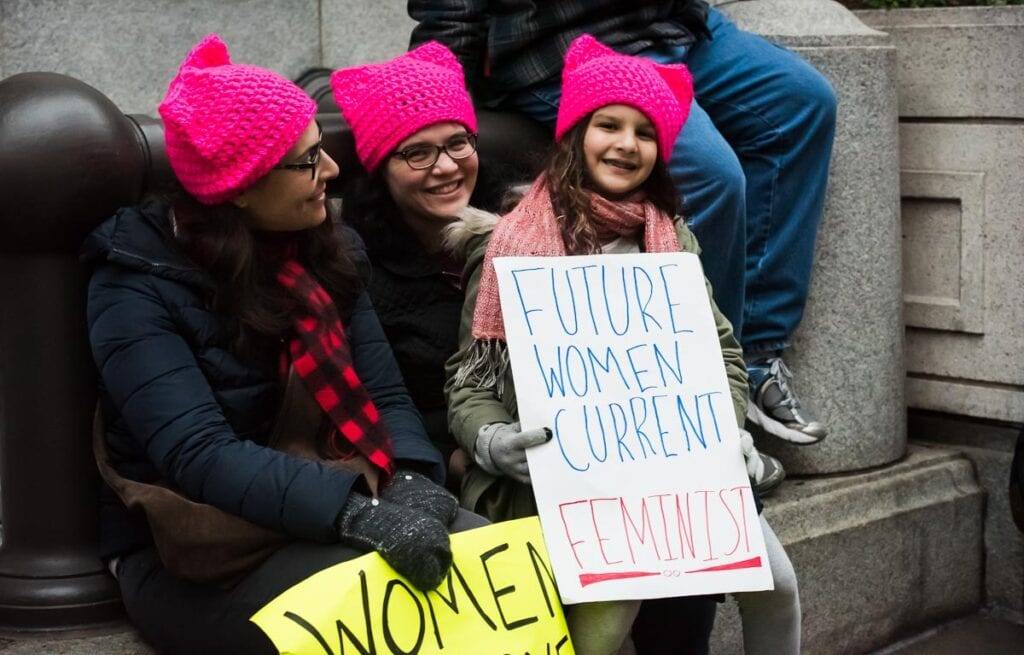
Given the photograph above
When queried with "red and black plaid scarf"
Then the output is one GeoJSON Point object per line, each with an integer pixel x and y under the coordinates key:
{"type": "Point", "coordinates": [321, 356]}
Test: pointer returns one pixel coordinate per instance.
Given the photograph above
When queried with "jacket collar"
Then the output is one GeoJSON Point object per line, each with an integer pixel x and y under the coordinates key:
{"type": "Point", "coordinates": [459, 235]}
{"type": "Point", "coordinates": [141, 238]}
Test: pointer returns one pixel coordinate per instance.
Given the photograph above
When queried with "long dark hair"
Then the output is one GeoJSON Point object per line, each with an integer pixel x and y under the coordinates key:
{"type": "Point", "coordinates": [568, 182]}
{"type": "Point", "coordinates": [243, 265]}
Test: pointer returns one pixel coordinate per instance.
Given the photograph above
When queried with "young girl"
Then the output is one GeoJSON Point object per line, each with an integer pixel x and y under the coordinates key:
{"type": "Point", "coordinates": [606, 189]}
{"type": "Point", "coordinates": [197, 308]}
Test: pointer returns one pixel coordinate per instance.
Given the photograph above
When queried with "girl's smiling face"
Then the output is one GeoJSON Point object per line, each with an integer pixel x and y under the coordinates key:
{"type": "Point", "coordinates": [620, 148]}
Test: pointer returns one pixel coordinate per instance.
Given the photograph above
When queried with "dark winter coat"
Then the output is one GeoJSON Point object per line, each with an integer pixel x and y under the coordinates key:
{"type": "Point", "coordinates": [419, 306]}
{"type": "Point", "coordinates": [182, 407]}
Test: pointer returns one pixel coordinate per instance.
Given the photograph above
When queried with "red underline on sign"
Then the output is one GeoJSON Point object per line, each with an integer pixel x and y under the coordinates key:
{"type": "Point", "coordinates": [752, 563]}
{"type": "Point", "coordinates": [591, 578]}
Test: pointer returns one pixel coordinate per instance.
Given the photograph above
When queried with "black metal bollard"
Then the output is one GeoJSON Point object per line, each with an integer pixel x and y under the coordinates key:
{"type": "Point", "coordinates": [68, 159]}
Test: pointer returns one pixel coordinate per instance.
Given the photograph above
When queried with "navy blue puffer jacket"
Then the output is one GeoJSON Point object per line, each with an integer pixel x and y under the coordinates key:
{"type": "Point", "coordinates": [182, 408]}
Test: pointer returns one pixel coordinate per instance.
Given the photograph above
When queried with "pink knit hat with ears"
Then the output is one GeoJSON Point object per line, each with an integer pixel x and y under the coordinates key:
{"type": "Point", "coordinates": [595, 76]}
{"type": "Point", "coordinates": [226, 125]}
{"type": "Point", "coordinates": [386, 103]}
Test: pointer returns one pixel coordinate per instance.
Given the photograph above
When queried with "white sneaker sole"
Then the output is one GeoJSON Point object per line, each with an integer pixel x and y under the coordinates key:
{"type": "Point", "coordinates": [776, 429]}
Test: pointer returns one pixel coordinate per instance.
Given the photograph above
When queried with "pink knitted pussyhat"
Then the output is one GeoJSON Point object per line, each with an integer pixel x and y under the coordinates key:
{"type": "Point", "coordinates": [386, 103]}
{"type": "Point", "coordinates": [226, 125]}
{"type": "Point", "coordinates": [595, 76]}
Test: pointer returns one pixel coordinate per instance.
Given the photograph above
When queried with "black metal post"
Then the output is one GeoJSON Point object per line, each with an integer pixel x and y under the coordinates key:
{"type": "Point", "coordinates": [68, 158]}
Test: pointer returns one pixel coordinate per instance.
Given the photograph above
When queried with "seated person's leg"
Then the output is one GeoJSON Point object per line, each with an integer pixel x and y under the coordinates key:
{"type": "Point", "coordinates": [778, 114]}
{"type": "Point", "coordinates": [710, 180]}
{"type": "Point", "coordinates": [600, 628]}
{"type": "Point", "coordinates": [177, 616]}
{"type": "Point", "coordinates": [539, 102]}
{"type": "Point", "coordinates": [712, 185]}
{"type": "Point", "coordinates": [675, 626]}
{"type": "Point", "coordinates": [771, 619]}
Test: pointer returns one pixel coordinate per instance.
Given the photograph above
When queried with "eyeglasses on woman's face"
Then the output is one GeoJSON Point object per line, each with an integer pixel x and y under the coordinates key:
{"type": "Point", "coordinates": [424, 155]}
{"type": "Point", "coordinates": [289, 201]}
{"type": "Point", "coordinates": [312, 156]}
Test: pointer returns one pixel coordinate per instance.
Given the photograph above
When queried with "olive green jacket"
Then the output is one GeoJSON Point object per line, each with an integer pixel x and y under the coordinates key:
{"type": "Point", "coordinates": [471, 407]}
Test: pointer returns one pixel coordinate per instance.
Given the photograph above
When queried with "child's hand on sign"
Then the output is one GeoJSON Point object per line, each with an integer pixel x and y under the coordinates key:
{"type": "Point", "coordinates": [501, 449]}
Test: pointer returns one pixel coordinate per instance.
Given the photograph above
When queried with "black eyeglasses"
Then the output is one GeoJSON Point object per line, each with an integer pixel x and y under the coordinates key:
{"type": "Point", "coordinates": [313, 162]}
{"type": "Point", "coordinates": [423, 156]}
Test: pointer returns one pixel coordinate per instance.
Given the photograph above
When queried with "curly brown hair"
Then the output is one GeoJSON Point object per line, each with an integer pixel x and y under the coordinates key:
{"type": "Point", "coordinates": [569, 184]}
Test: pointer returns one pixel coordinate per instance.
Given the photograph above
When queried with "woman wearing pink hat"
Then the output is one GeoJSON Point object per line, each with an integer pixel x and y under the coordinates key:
{"type": "Point", "coordinates": [415, 134]}
{"type": "Point", "coordinates": [220, 320]}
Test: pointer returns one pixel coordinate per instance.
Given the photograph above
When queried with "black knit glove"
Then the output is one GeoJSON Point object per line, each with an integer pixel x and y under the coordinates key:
{"type": "Point", "coordinates": [414, 544]}
{"type": "Point", "coordinates": [410, 489]}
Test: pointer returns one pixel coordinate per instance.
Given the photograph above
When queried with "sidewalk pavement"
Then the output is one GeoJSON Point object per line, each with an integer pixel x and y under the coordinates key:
{"type": "Point", "coordinates": [113, 639]}
{"type": "Point", "coordinates": [978, 634]}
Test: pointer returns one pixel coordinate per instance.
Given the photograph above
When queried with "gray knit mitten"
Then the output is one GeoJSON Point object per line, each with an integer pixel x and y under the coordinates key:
{"type": "Point", "coordinates": [410, 489]}
{"type": "Point", "coordinates": [414, 544]}
{"type": "Point", "coordinates": [755, 466]}
{"type": "Point", "coordinates": [501, 449]}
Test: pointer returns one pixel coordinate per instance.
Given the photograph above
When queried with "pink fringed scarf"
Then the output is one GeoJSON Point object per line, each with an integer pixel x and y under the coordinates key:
{"type": "Point", "coordinates": [532, 230]}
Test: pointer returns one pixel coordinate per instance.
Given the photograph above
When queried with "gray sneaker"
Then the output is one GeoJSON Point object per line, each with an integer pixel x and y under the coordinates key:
{"type": "Point", "coordinates": [774, 407]}
{"type": "Point", "coordinates": [772, 475]}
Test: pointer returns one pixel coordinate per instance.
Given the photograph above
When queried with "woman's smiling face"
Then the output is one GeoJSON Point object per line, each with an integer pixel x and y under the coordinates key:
{"type": "Point", "coordinates": [435, 195]}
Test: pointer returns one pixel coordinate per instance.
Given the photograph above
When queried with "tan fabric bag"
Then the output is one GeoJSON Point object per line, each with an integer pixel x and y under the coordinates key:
{"type": "Point", "coordinates": [200, 543]}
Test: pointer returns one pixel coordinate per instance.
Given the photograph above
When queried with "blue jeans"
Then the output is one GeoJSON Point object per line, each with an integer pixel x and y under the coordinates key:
{"type": "Point", "coordinates": [751, 164]}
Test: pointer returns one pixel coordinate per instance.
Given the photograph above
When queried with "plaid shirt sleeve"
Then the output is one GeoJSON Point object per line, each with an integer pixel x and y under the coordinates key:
{"type": "Point", "coordinates": [461, 25]}
{"type": "Point", "coordinates": [507, 46]}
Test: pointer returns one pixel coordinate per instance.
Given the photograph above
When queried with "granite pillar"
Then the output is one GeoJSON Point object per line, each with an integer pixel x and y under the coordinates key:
{"type": "Point", "coordinates": [961, 100]}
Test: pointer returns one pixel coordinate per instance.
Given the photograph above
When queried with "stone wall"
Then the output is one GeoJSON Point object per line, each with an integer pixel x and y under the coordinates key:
{"type": "Point", "coordinates": [129, 49]}
{"type": "Point", "coordinates": [961, 104]}
{"type": "Point", "coordinates": [878, 554]}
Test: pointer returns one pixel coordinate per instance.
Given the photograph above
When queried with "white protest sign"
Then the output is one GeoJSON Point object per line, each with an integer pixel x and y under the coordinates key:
{"type": "Point", "coordinates": [642, 492]}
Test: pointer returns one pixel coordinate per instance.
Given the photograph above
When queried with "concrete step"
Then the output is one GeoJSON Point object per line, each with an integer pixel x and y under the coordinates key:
{"type": "Point", "coordinates": [980, 633]}
{"type": "Point", "coordinates": [114, 639]}
{"type": "Point", "coordinates": [879, 554]}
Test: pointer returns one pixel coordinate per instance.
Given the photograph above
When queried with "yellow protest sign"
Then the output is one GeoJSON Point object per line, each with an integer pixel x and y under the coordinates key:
{"type": "Point", "coordinates": [499, 598]}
